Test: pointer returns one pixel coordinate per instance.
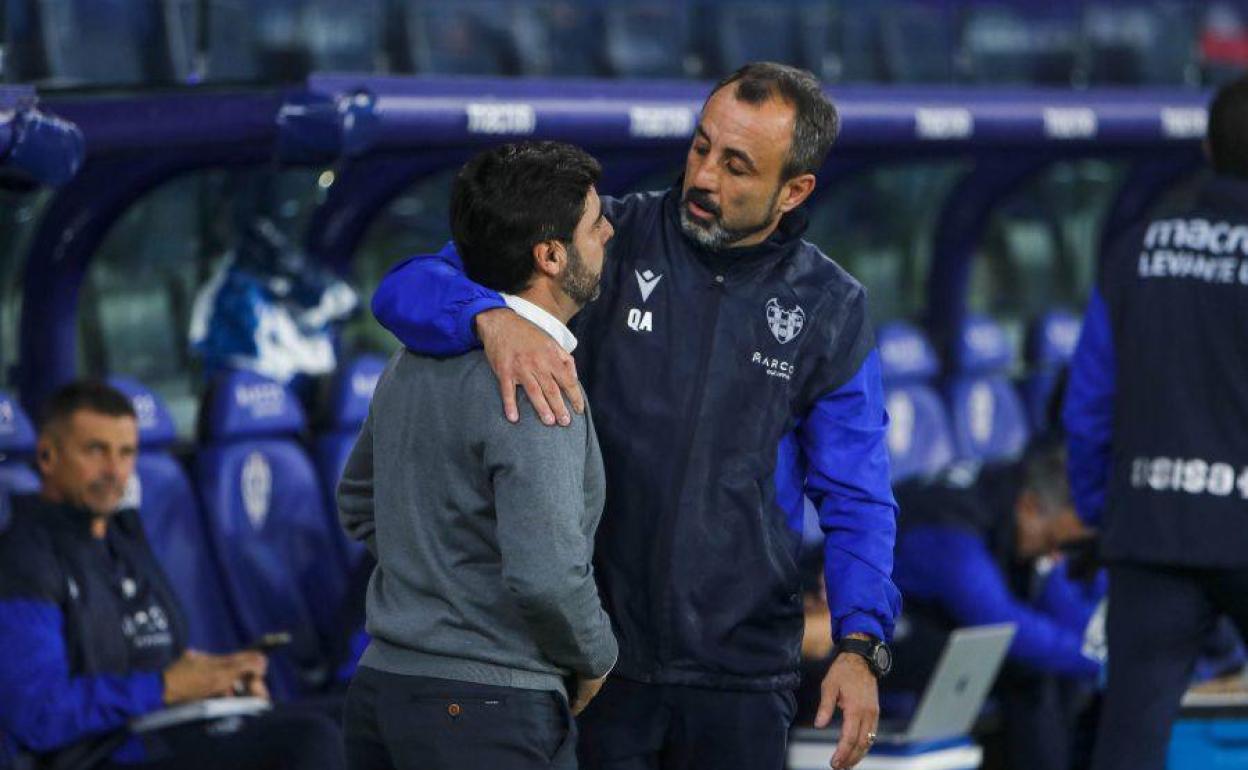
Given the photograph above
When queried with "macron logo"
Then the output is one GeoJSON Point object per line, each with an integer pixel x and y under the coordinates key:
{"type": "Point", "coordinates": [646, 282]}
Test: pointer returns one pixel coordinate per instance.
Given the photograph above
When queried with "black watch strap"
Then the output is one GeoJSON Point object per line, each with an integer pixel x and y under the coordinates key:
{"type": "Point", "coordinates": [878, 655]}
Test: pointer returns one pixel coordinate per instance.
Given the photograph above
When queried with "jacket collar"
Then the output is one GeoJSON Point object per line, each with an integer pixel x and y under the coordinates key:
{"type": "Point", "coordinates": [780, 244]}
{"type": "Point", "coordinates": [1224, 191]}
{"type": "Point", "coordinates": [72, 519]}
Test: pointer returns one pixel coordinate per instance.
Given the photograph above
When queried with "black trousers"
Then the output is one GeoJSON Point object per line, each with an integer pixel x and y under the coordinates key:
{"type": "Point", "coordinates": [634, 726]}
{"type": "Point", "coordinates": [395, 722]}
{"type": "Point", "coordinates": [286, 738]}
{"type": "Point", "coordinates": [1158, 619]}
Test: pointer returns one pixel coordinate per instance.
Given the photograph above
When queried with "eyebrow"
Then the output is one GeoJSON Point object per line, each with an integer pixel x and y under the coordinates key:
{"type": "Point", "coordinates": [731, 152]}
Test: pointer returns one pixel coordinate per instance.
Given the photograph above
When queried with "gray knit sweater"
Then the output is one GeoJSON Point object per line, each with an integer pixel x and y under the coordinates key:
{"type": "Point", "coordinates": [483, 531]}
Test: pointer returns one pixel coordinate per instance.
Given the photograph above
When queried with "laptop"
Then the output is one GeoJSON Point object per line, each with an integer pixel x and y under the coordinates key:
{"type": "Point", "coordinates": [955, 694]}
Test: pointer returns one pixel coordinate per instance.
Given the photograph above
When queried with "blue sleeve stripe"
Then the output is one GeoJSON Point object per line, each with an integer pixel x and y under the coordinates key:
{"type": "Point", "coordinates": [1088, 412]}
{"type": "Point", "coordinates": [43, 707]}
{"type": "Point", "coordinates": [843, 443]}
{"type": "Point", "coordinates": [429, 304]}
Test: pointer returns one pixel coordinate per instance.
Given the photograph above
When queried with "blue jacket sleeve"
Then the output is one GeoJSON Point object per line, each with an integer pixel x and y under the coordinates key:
{"type": "Point", "coordinates": [954, 568]}
{"type": "Point", "coordinates": [429, 304]}
{"type": "Point", "coordinates": [1071, 602]}
{"type": "Point", "coordinates": [43, 707]}
{"type": "Point", "coordinates": [1088, 412]}
{"type": "Point", "coordinates": [843, 442]}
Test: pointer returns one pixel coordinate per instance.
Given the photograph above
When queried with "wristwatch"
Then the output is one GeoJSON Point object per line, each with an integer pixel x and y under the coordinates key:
{"type": "Point", "coordinates": [879, 656]}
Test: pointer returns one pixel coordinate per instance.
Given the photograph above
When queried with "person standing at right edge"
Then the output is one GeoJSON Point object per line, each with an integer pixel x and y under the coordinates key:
{"type": "Point", "coordinates": [1157, 418]}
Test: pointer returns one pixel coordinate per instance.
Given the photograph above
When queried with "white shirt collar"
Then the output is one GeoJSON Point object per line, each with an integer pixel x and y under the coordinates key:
{"type": "Point", "coordinates": [544, 320]}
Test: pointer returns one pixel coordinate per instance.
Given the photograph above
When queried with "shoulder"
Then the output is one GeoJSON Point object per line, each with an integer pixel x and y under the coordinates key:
{"type": "Point", "coordinates": [530, 435]}
{"type": "Point", "coordinates": [633, 205]}
{"type": "Point", "coordinates": [30, 566]}
{"type": "Point", "coordinates": [810, 267]}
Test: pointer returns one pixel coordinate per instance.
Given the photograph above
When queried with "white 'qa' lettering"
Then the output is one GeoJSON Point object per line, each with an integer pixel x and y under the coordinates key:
{"type": "Point", "coordinates": [639, 321]}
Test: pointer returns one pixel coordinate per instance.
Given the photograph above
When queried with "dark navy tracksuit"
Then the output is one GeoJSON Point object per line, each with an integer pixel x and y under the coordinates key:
{"type": "Point", "coordinates": [725, 385]}
{"type": "Point", "coordinates": [1157, 417]}
{"type": "Point", "coordinates": [87, 625]}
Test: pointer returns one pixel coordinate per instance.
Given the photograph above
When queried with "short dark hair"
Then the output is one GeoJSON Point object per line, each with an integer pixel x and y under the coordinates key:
{"type": "Point", "coordinates": [90, 395]}
{"type": "Point", "coordinates": [1044, 472]}
{"type": "Point", "coordinates": [816, 122]}
{"type": "Point", "coordinates": [508, 199]}
{"type": "Point", "coordinates": [1228, 129]}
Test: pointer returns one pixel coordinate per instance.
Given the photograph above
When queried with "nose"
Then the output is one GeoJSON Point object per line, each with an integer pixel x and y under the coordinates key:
{"type": "Point", "coordinates": [114, 467]}
{"type": "Point", "coordinates": [705, 176]}
{"type": "Point", "coordinates": [610, 231]}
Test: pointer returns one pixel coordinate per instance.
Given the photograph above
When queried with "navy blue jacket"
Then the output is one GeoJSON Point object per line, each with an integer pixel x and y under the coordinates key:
{"type": "Point", "coordinates": [956, 565]}
{"type": "Point", "coordinates": [67, 678]}
{"type": "Point", "coordinates": [1157, 398]}
{"type": "Point", "coordinates": [725, 385]}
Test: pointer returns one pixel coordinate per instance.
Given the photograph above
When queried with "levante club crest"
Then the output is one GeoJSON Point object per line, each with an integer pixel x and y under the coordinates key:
{"type": "Point", "coordinates": [785, 324]}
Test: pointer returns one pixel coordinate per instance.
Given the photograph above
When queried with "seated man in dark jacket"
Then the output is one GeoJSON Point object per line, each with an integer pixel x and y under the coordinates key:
{"type": "Point", "coordinates": [91, 635]}
{"type": "Point", "coordinates": [980, 545]}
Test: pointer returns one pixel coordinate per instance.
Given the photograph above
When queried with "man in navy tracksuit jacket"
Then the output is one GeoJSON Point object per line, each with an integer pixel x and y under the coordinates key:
{"type": "Point", "coordinates": [91, 634]}
{"type": "Point", "coordinates": [732, 370]}
{"type": "Point", "coordinates": [1157, 417]}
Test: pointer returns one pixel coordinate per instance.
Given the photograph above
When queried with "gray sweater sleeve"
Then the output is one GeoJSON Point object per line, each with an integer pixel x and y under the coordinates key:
{"type": "Point", "coordinates": [538, 475]}
{"type": "Point", "coordinates": [355, 490]}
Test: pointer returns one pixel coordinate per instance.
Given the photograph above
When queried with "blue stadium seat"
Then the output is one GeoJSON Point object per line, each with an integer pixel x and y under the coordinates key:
{"type": "Point", "coordinates": [346, 408]}
{"type": "Point", "coordinates": [745, 31]}
{"type": "Point", "coordinates": [463, 38]}
{"type": "Point", "coordinates": [917, 43]}
{"type": "Point", "coordinates": [1034, 44]}
{"type": "Point", "coordinates": [267, 520]}
{"type": "Point", "coordinates": [562, 38]}
{"type": "Point", "coordinates": [17, 445]}
{"type": "Point", "coordinates": [1140, 43]}
{"type": "Point", "coordinates": [989, 422]}
{"type": "Point", "coordinates": [161, 491]}
{"type": "Point", "coordinates": [920, 442]}
{"type": "Point", "coordinates": [649, 39]}
{"type": "Point", "coordinates": [110, 41]}
{"type": "Point", "coordinates": [1051, 341]}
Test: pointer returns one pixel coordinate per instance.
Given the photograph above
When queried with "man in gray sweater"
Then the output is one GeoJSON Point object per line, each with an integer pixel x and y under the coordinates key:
{"type": "Point", "coordinates": [483, 606]}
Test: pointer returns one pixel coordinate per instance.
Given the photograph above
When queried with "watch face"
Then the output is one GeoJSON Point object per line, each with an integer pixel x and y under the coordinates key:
{"type": "Point", "coordinates": [883, 659]}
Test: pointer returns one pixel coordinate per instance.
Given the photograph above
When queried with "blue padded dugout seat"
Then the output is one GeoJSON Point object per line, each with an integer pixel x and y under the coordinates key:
{"type": "Point", "coordinates": [1051, 341]}
{"type": "Point", "coordinates": [986, 412]}
{"type": "Point", "coordinates": [919, 439]}
{"type": "Point", "coordinates": [172, 519]}
{"type": "Point", "coordinates": [345, 411]}
{"type": "Point", "coordinates": [17, 446]}
{"type": "Point", "coordinates": [266, 516]}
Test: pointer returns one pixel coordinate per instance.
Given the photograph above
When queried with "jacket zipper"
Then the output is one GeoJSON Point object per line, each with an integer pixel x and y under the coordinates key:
{"type": "Point", "coordinates": [661, 572]}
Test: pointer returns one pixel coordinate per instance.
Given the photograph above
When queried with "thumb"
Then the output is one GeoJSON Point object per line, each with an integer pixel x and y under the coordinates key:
{"type": "Point", "coordinates": [828, 696]}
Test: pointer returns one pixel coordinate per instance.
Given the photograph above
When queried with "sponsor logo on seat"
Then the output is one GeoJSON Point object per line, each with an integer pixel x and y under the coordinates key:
{"type": "Point", "coordinates": [263, 399]}
{"type": "Point", "coordinates": [257, 484]}
{"type": "Point", "coordinates": [8, 421]}
{"type": "Point", "coordinates": [145, 409]}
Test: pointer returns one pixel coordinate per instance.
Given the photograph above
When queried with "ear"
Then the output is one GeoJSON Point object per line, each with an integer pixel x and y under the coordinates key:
{"type": "Point", "coordinates": [796, 191]}
{"type": "Point", "coordinates": [549, 258]}
{"type": "Point", "coordinates": [45, 455]}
